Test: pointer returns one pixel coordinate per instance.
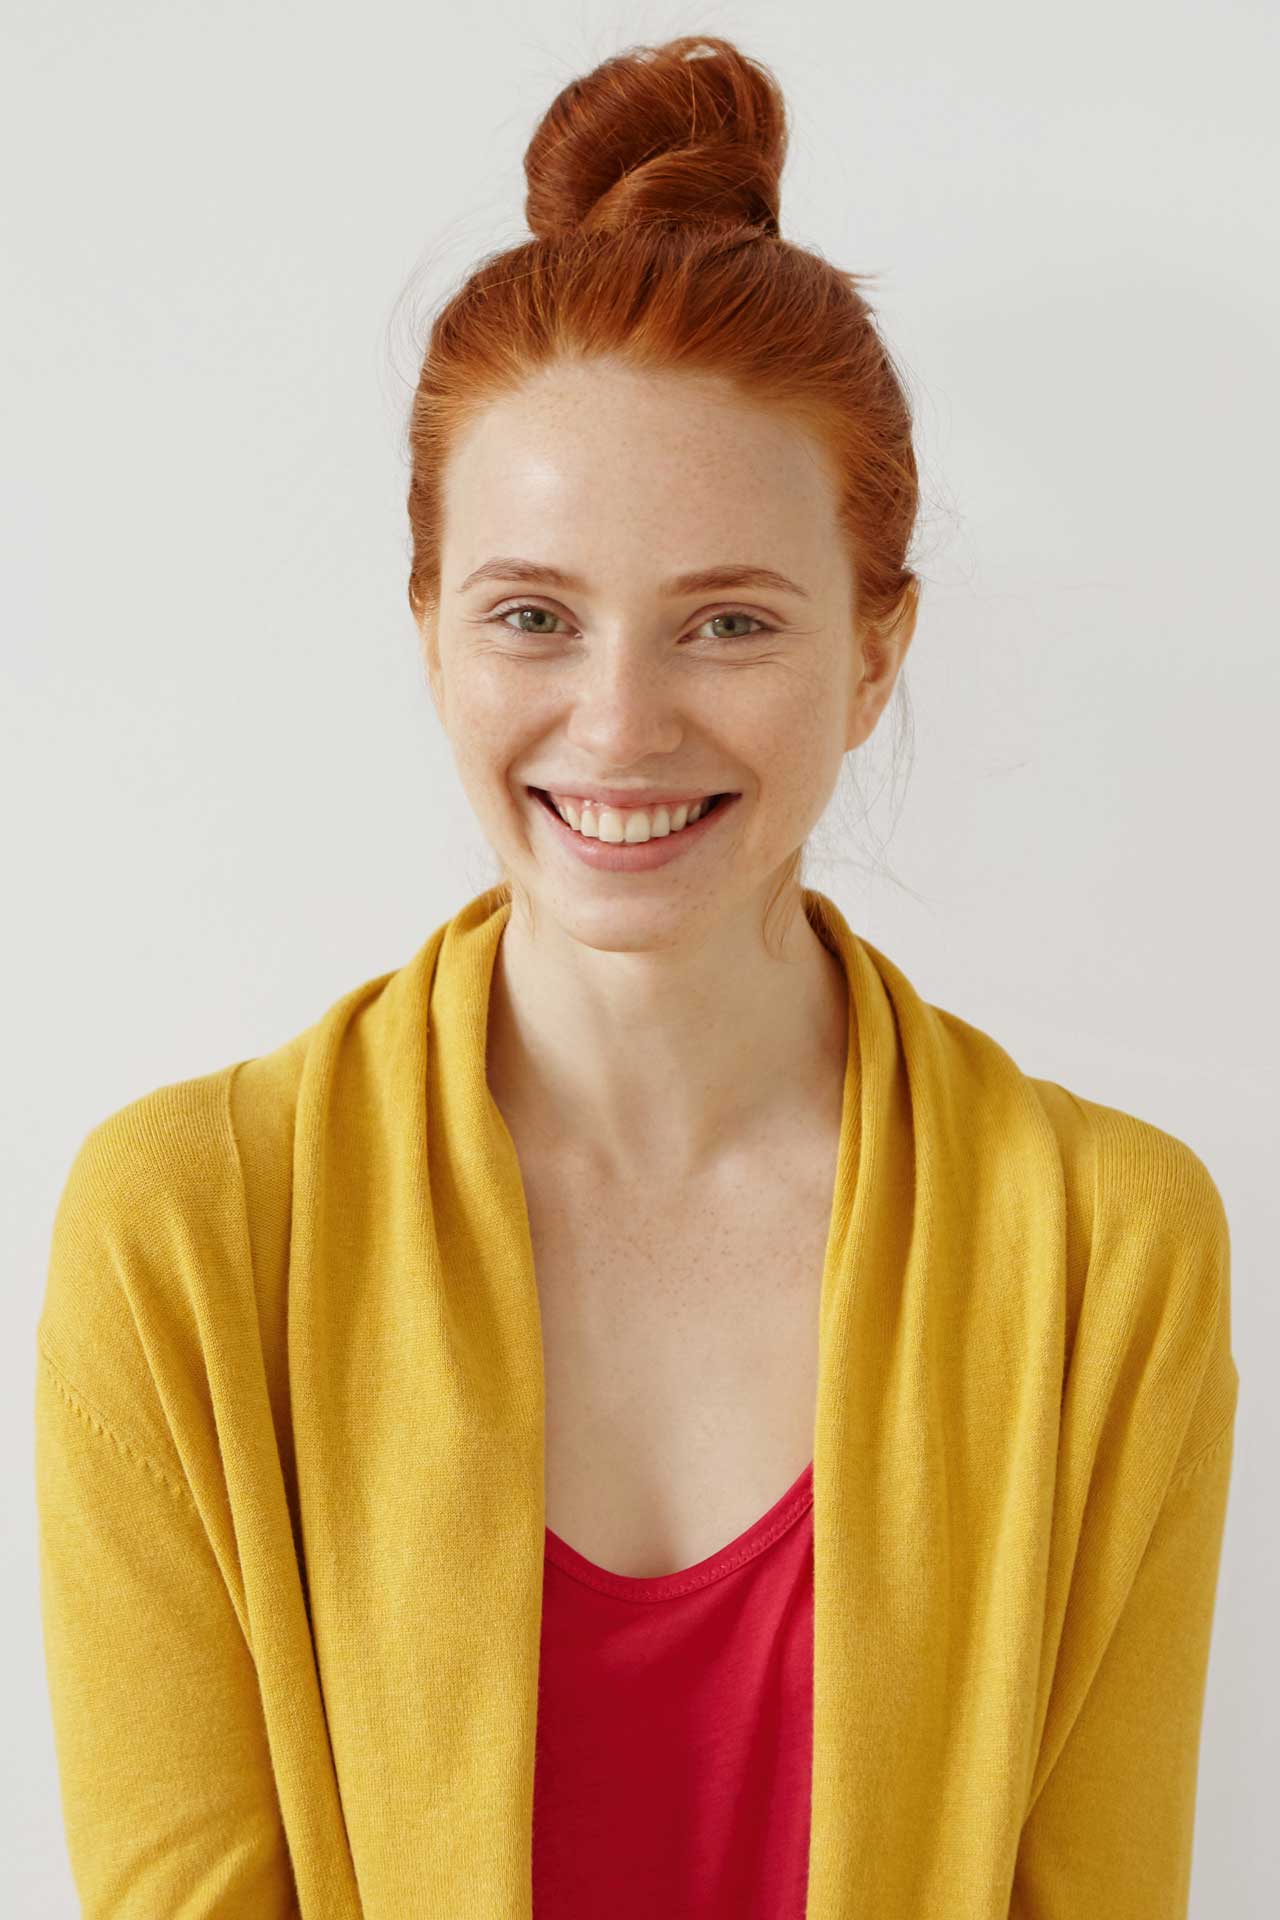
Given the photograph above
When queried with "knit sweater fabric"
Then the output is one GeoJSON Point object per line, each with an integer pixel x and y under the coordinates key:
{"type": "Point", "coordinates": [289, 1455]}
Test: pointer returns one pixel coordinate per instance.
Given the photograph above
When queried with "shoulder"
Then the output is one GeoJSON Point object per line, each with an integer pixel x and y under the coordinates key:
{"type": "Point", "coordinates": [1120, 1174]}
{"type": "Point", "coordinates": [151, 1248]}
{"type": "Point", "coordinates": [173, 1158]}
{"type": "Point", "coordinates": [1133, 1178]}
{"type": "Point", "coordinates": [163, 1155]}
{"type": "Point", "coordinates": [147, 1189]}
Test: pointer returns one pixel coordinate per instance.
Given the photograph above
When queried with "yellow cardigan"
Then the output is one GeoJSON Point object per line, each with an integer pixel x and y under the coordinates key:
{"type": "Point", "coordinates": [289, 1457]}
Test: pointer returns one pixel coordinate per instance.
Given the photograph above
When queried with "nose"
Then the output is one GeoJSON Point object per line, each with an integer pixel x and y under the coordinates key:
{"type": "Point", "coordinates": [623, 711]}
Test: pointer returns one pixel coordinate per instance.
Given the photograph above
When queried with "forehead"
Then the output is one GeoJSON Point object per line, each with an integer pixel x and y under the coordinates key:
{"type": "Point", "coordinates": [607, 462]}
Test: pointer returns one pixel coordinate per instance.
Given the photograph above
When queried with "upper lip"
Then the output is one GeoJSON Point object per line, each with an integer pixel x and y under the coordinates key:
{"type": "Point", "coordinates": [634, 796]}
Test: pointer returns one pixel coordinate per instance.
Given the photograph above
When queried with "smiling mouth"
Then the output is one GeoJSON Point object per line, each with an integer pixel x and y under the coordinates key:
{"type": "Point", "coordinates": [712, 801]}
{"type": "Point", "coordinates": [618, 841]}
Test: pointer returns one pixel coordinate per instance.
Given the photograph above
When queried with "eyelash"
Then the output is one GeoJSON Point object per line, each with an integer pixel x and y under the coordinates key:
{"type": "Point", "coordinates": [501, 614]}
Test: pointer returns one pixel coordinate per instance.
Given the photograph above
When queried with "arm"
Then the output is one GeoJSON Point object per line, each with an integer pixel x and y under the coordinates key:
{"type": "Point", "coordinates": [1110, 1833]}
{"type": "Point", "coordinates": [168, 1796]}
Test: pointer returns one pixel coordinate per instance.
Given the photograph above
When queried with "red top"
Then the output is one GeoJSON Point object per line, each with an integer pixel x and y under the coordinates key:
{"type": "Point", "coordinates": [674, 1733]}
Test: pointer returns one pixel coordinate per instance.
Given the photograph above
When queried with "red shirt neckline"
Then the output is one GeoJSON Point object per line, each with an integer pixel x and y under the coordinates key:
{"type": "Point", "coordinates": [762, 1534]}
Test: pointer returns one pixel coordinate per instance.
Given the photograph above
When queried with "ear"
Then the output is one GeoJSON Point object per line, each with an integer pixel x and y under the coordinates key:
{"type": "Point", "coordinates": [428, 635]}
{"type": "Point", "coordinates": [882, 650]}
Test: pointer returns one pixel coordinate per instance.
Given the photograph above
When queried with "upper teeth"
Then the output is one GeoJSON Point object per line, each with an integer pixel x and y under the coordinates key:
{"type": "Point", "coordinates": [598, 822]}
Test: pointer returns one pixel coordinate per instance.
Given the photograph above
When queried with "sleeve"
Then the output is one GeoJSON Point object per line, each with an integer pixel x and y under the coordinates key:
{"type": "Point", "coordinates": [1110, 1834]}
{"type": "Point", "coordinates": [169, 1800]}
{"type": "Point", "coordinates": [168, 1797]}
{"type": "Point", "coordinates": [1110, 1831]}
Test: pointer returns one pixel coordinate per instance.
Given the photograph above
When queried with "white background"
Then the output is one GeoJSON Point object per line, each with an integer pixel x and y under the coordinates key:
{"type": "Point", "coordinates": [226, 796]}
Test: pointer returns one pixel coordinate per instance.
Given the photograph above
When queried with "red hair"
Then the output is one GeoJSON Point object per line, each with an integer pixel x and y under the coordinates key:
{"type": "Point", "coordinates": [653, 197]}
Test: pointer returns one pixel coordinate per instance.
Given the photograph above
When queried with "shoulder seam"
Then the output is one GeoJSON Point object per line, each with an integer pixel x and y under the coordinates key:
{"type": "Point", "coordinates": [91, 1418]}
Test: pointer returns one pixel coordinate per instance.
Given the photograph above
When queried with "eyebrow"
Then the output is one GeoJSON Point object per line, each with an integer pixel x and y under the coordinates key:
{"type": "Point", "coordinates": [700, 580]}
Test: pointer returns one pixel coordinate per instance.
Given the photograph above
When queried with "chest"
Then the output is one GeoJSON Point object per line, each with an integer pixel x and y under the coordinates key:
{"type": "Point", "coordinates": [680, 1342]}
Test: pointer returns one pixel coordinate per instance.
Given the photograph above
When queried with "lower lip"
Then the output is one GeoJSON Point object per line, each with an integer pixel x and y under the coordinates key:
{"type": "Point", "coordinates": [638, 856]}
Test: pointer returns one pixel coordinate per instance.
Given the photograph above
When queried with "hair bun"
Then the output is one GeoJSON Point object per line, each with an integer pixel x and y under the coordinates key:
{"type": "Point", "coordinates": [690, 130]}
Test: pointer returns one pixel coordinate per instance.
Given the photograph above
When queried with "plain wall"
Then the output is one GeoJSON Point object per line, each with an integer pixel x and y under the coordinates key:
{"type": "Point", "coordinates": [227, 798]}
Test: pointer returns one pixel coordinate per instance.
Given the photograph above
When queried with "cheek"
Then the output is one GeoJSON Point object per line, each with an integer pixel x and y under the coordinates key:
{"type": "Point", "coordinates": [490, 724]}
{"type": "Point", "coordinates": [794, 743]}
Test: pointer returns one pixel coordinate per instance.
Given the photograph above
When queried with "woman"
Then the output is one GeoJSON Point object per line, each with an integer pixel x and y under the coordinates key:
{"type": "Point", "coordinates": [635, 1411]}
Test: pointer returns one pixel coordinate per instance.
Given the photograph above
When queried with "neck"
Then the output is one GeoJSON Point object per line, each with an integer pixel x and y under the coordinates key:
{"type": "Point", "coordinates": [664, 1062]}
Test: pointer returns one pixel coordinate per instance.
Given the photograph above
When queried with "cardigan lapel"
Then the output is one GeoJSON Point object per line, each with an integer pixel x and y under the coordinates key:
{"type": "Point", "coordinates": [938, 1360]}
{"type": "Point", "coordinates": [415, 1352]}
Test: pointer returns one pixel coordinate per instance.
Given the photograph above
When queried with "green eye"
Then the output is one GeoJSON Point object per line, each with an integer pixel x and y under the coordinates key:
{"type": "Point", "coordinates": [537, 632]}
{"type": "Point", "coordinates": [759, 625]}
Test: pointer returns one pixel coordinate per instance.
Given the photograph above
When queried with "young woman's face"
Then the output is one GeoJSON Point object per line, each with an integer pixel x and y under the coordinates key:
{"type": "Point", "coordinates": [624, 675]}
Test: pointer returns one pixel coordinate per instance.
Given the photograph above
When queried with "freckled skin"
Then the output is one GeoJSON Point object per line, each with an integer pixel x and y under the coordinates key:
{"type": "Point", "coordinates": [650, 1002]}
